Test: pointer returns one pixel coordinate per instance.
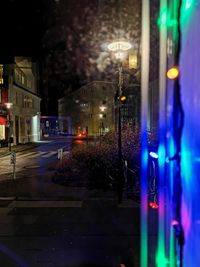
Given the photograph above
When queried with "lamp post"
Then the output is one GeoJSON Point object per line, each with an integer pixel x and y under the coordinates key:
{"type": "Point", "coordinates": [102, 119]}
{"type": "Point", "coordinates": [119, 48]}
{"type": "Point", "coordinates": [8, 106]}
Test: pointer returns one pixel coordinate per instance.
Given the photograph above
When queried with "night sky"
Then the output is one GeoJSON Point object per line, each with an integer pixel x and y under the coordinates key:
{"type": "Point", "coordinates": [22, 28]}
{"type": "Point", "coordinates": [69, 39]}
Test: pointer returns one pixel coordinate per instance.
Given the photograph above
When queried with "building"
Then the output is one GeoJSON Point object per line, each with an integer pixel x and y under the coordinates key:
{"type": "Point", "coordinates": [90, 109]}
{"type": "Point", "coordinates": [93, 108]}
{"type": "Point", "coordinates": [19, 102]}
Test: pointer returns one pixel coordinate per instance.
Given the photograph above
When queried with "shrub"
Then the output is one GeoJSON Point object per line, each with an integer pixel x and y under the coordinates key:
{"type": "Point", "coordinates": [100, 157]}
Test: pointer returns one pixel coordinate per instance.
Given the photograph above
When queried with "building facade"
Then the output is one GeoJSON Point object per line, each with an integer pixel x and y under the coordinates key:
{"type": "Point", "coordinates": [94, 109]}
{"type": "Point", "coordinates": [19, 102]}
{"type": "Point", "coordinates": [89, 109]}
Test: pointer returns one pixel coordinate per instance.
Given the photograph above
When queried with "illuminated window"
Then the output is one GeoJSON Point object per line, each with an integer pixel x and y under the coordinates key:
{"type": "Point", "coordinates": [1, 74]}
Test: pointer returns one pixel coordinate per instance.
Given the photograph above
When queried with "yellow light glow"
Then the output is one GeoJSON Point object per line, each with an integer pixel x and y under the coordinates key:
{"type": "Point", "coordinates": [132, 61]}
{"type": "Point", "coordinates": [123, 98]}
{"type": "Point", "coordinates": [173, 73]}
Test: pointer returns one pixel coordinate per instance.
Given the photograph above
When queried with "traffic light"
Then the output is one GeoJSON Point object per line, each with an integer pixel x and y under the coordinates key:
{"type": "Point", "coordinates": [122, 99]}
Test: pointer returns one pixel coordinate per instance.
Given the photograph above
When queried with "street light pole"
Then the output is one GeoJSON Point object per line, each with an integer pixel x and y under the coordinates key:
{"type": "Point", "coordinates": [119, 48]}
{"type": "Point", "coordinates": [120, 166]}
{"type": "Point", "coordinates": [9, 132]}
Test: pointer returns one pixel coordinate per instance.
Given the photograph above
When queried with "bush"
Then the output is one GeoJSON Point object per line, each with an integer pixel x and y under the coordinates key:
{"type": "Point", "coordinates": [100, 158]}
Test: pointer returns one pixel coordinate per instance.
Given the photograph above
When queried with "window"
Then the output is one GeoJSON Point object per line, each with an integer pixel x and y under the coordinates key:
{"type": "Point", "coordinates": [29, 84]}
{"type": "Point", "coordinates": [1, 74]}
{"type": "Point", "coordinates": [23, 79]}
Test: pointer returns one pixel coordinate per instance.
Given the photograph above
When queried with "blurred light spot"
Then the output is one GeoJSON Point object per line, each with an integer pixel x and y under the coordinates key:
{"type": "Point", "coordinates": [153, 205]}
{"type": "Point", "coordinates": [173, 73]}
{"type": "Point", "coordinates": [153, 155]}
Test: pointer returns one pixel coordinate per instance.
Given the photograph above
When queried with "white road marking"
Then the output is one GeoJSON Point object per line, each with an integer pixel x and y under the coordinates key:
{"type": "Point", "coordinates": [50, 153]}
{"type": "Point", "coordinates": [37, 154]}
{"type": "Point", "coordinates": [32, 154]}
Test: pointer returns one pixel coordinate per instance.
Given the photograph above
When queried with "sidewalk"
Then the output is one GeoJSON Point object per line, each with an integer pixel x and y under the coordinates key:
{"type": "Point", "coordinates": [93, 231]}
{"type": "Point", "coordinates": [51, 225]}
{"type": "Point", "coordinates": [89, 231]}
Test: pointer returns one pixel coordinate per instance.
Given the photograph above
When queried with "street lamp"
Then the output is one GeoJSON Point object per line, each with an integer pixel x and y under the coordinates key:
{"type": "Point", "coordinates": [9, 106]}
{"type": "Point", "coordinates": [119, 48]}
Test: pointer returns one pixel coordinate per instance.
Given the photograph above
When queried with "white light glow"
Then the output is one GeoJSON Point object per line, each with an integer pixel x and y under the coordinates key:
{"type": "Point", "coordinates": [120, 55]}
{"type": "Point", "coordinates": [153, 155]}
{"type": "Point", "coordinates": [35, 133]}
{"type": "Point", "coordinates": [8, 105]}
{"type": "Point", "coordinates": [119, 46]}
{"type": "Point", "coordinates": [102, 108]}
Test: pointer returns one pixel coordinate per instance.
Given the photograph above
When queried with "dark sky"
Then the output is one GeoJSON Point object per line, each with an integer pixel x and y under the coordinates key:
{"type": "Point", "coordinates": [69, 38]}
{"type": "Point", "coordinates": [22, 27]}
{"type": "Point", "coordinates": [75, 43]}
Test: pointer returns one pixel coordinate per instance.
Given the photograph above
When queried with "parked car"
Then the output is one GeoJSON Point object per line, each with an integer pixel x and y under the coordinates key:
{"type": "Point", "coordinates": [81, 135]}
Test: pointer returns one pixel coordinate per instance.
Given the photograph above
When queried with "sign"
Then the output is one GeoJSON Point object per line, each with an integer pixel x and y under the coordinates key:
{"type": "Point", "coordinates": [60, 153]}
{"type": "Point", "coordinates": [13, 158]}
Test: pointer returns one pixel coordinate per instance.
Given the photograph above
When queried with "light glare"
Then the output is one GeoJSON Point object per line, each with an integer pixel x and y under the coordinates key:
{"type": "Point", "coordinates": [153, 155]}
{"type": "Point", "coordinates": [173, 73]}
{"type": "Point", "coordinates": [119, 46]}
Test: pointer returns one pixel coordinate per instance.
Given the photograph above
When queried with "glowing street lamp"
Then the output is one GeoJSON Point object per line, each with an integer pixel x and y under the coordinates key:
{"type": "Point", "coordinates": [102, 108]}
{"type": "Point", "coordinates": [8, 105]}
{"type": "Point", "coordinates": [119, 48]}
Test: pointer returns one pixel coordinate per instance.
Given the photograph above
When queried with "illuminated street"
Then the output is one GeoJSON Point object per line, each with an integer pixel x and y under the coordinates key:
{"type": "Point", "coordinates": [100, 133]}
{"type": "Point", "coordinates": [36, 156]}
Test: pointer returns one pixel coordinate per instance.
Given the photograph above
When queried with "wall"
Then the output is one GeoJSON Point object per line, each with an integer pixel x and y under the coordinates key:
{"type": "Point", "coordinates": [83, 107]}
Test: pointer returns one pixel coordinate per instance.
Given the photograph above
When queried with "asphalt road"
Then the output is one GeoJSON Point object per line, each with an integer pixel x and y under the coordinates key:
{"type": "Point", "coordinates": [45, 224]}
{"type": "Point", "coordinates": [33, 176]}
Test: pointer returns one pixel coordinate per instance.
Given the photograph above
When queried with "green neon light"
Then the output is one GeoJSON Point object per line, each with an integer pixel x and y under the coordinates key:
{"type": "Point", "coordinates": [188, 4]}
{"type": "Point", "coordinates": [168, 18]}
{"type": "Point", "coordinates": [187, 10]}
{"type": "Point", "coordinates": [172, 249]}
{"type": "Point", "coordinates": [161, 260]}
{"type": "Point", "coordinates": [162, 19]}
{"type": "Point", "coordinates": [165, 18]}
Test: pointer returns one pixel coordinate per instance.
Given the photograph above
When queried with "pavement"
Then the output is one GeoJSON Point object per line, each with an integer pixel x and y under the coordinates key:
{"type": "Point", "coordinates": [45, 224]}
